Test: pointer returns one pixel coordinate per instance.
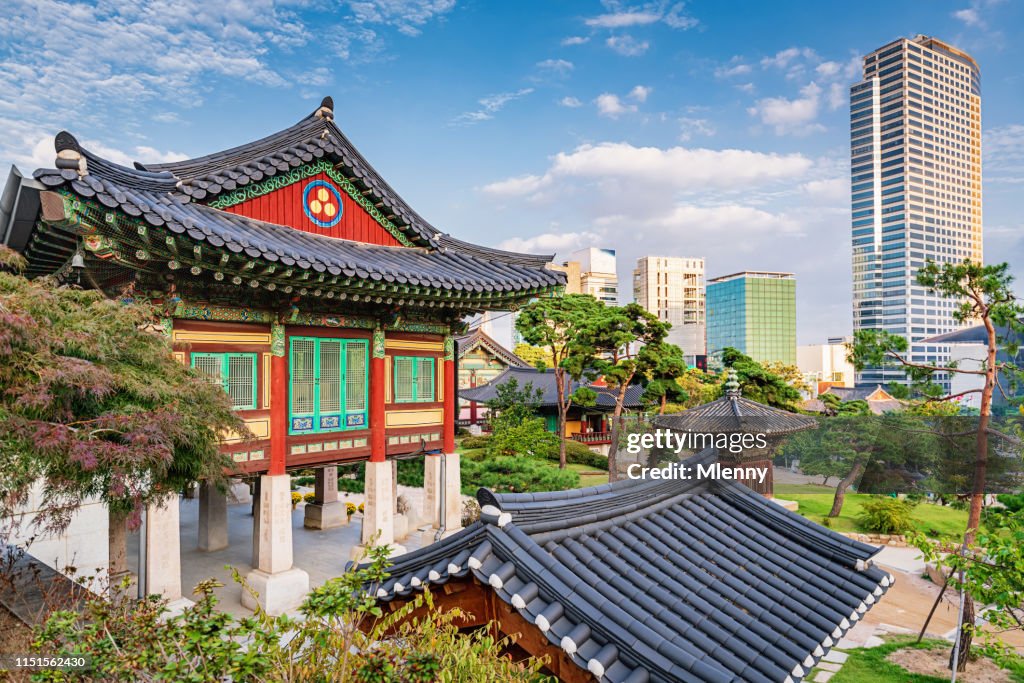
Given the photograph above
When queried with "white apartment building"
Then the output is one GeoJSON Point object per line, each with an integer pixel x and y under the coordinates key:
{"type": "Point", "coordinates": [826, 363]}
{"type": "Point", "coordinates": [672, 288]}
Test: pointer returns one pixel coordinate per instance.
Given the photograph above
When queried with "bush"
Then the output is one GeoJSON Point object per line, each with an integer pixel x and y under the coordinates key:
{"type": "Point", "coordinates": [309, 497]}
{"type": "Point", "coordinates": [410, 472]}
{"type": "Point", "coordinates": [885, 515]}
{"type": "Point", "coordinates": [515, 474]}
{"type": "Point", "coordinates": [528, 437]}
{"type": "Point", "coordinates": [343, 636]}
{"type": "Point", "coordinates": [471, 442]}
{"type": "Point", "coordinates": [304, 481]}
{"type": "Point", "coordinates": [352, 478]}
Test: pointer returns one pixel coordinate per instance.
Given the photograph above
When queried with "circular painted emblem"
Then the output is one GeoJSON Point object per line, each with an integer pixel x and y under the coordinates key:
{"type": "Point", "coordinates": [322, 204]}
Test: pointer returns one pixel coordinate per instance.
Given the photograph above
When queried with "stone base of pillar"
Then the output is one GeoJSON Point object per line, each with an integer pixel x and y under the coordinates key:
{"type": "Point", "coordinates": [275, 593]}
{"type": "Point", "coordinates": [378, 510]}
{"type": "Point", "coordinates": [325, 515]}
{"type": "Point", "coordinates": [163, 549]}
{"type": "Point", "coordinates": [213, 518]}
{"type": "Point", "coordinates": [432, 513]}
{"type": "Point", "coordinates": [280, 586]}
{"type": "Point", "coordinates": [238, 494]}
{"type": "Point", "coordinates": [401, 527]}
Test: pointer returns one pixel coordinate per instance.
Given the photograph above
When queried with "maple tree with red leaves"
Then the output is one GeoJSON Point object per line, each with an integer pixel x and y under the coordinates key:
{"type": "Point", "coordinates": [94, 406]}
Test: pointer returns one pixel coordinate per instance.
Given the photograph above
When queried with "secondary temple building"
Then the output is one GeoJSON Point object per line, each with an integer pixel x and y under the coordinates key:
{"type": "Point", "coordinates": [292, 274]}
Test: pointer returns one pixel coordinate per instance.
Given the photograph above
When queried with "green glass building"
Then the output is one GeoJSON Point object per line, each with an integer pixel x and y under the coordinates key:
{"type": "Point", "coordinates": [753, 312]}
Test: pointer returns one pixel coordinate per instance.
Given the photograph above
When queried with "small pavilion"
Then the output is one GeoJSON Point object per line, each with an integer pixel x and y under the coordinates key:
{"type": "Point", "coordinates": [734, 414]}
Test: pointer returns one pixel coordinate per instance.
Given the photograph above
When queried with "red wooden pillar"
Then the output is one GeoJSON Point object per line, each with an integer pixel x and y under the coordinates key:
{"type": "Point", "coordinates": [378, 438]}
{"type": "Point", "coordinates": [472, 404]}
{"type": "Point", "coordinates": [451, 402]}
{"type": "Point", "coordinates": [278, 400]}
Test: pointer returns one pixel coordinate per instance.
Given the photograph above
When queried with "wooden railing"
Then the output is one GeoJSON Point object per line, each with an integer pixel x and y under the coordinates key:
{"type": "Point", "coordinates": [593, 437]}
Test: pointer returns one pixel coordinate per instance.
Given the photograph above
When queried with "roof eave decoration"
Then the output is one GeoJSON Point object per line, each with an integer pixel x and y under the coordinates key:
{"type": "Point", "coordinates": [163, 242]}
{"type": "Point", "coordinates": [660, 579]}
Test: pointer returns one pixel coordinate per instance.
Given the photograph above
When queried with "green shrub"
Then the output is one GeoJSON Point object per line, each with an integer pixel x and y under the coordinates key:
{"type": "Point", "coordinates": [352, 478]}
{"type": "Point", "coordinates": [885, 515]}
{"type": "Point", "coordinates": [304, 481]}
{"type": "Point", "coordinates": [528, 437]}
{"type": "Point", "coordinates": [515, 474]}
{"type": "Point", "coordinates": [471, 442]}
{"type": "Point", "coordinates": [410, 472]}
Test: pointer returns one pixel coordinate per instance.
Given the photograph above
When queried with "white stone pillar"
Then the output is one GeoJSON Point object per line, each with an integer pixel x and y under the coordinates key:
{"type": "Point", "coordinates": [452, 514]}
{"type": "Point", "coordinates": [326, 511]}
{"type": "Point", "coordinates": [278, 585]}
{"type": "Point", "coordinates": [378, 511]}
{"type": "Point", "coordinates": [213, 518]}
{"type": "Point", "coordinates": [163, 552]}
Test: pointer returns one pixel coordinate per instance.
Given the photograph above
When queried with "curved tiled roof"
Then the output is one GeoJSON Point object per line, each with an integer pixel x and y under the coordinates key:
{"type": "Point", "coordinates": [732, 413]}
{"type": "Point", "coordinates": [544, 380]}
{"type": "Point", "coordinates": [477, 337]}
{"type": "Point", "coordinates": [168, 196]}
{"type": "Point", "coordinates": [661, 580]}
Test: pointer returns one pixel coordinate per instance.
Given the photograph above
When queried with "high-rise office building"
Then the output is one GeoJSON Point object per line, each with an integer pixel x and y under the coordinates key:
{"type": "Point", "coordinates": [672, 288]}
{"type": "Point", "coordinates": [592, 271]}
{"type": "Point", "coordinates": [753, 312]}
{"type": "Point", "coordinates": [915, 153]}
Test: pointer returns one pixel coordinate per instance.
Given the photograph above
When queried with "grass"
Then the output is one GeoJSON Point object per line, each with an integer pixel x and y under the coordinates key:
{"type": "Point", "coordinates": [869, 665]}
{"type": "Point", "coordinates": [933, 520]}
{"type": "Point", "coordinates": [588, 479]}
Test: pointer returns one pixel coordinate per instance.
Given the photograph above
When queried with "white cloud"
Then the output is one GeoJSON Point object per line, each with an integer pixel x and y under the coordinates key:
{"type": "Point", "coordinates": [784, 58]}
{"type": "Point", "coordinates": [672, 16]}
{"type": "Point", "coordinates": [569, 101]}
{"type": "Point", "coordinates": [689, 127]}
{"type": "Point", "coordinates": [829, 190]}
{"type": "Point", "coordinates": [828, 69]}
{"type": "Point", "coordinates": [735, 67]}
{"type": "Point", "coordinates": [627, 45]}
{"type": "Point", "coordinates": [515, 187]}
{"type": "Point", "coordinates": [790, 116]}
{"type": "Point", "coordinates": [550, 242]}
{"type": "Point", "coordinates": [559, 67]}
{"type": "Point", "coordinates": [623, 19]}
{"type": "Point", "coordinates": [574, 40]}
{"type": "Point", "coordinates": [746, 87]}
{"type": "Point", "coordinates": [640, 93]}
{"type": "Point", "coordinates": [611, 106]}
{"type": "Point", "coordinates": [490, 106]}
{"type": "Point", "coordinates": [836, 96]}
{"type": "Point", "coordinates": [408, 16]}
{"type": "Point", "coordinates": [969, 16]}
{"type": "Point", "coordinates": [1003, 154]}
{"type": "Point", "coordinates": [675, 168]}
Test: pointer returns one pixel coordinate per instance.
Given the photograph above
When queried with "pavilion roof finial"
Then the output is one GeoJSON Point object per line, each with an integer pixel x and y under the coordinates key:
{"type": "Point", "coordinates": [326, 110]}
{"type": "Point", "coordinates": [69, 153]}
{"type": "Point", "coordinates": [732, 384]}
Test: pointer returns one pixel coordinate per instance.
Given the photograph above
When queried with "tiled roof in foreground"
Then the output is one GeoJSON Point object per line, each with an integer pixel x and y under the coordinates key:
{"type": "Point", "coordinates": [661, 580]}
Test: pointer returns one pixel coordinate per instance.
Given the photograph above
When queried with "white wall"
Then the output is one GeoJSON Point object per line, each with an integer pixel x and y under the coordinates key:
{"type": "Point", "coordinates": [83, 545]}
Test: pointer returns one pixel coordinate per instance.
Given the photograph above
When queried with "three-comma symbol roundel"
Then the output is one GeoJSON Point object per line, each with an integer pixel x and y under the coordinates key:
{"type": "Point", "coordinates": [321, 203]}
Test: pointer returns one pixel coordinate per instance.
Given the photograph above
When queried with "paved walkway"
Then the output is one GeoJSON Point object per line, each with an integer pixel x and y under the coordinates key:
{"type": "Point", "coordinates": [322, 554]}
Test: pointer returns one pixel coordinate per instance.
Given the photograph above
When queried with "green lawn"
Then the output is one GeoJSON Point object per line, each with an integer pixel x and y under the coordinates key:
{"type": "Point", "coordinates": [588, 479]}
{"type": "Point", "coordinates": [933, 520]}
{"type": "Point", "coordinates": [869, 665]}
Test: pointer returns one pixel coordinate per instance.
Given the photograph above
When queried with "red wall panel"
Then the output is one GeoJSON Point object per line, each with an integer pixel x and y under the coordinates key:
{"type": "Point", "coordinates": [288, 206]}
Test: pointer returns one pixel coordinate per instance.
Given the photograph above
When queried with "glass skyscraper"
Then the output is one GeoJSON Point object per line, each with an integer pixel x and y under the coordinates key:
{"type": "Point", "coordinates": [915, 153]}
{"type": "Point", "coordinates": [753, 312]}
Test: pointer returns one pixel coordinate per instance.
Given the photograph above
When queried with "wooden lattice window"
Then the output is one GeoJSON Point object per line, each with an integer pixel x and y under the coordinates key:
{"type": "Point", "coordinates": [234, 372]}
{"type": "Point", "coordinates": [329, 384]}
{"type": "Point", "coordinates": [415, 379]}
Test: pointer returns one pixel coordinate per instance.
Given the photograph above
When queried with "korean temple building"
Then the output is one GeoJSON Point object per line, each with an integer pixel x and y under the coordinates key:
{"type": "Point", "coordinates": [291, 273]}
{"type": "Point", "coordinates": [480, 359]}
{"type": "Point", "coordinates": [651, 581]}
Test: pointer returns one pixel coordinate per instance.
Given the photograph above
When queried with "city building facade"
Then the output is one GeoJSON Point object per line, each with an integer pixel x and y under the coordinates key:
{"type": "Point", "coordinates": [826, 365]}
{"type": "Point", "coordinates": [673, 289]}
{"type": "Point", "coordinates": [753, 312]}
{"type": "Point", "coordinates": [915, 146]}
{"type": "Point", "coordinates": [592, 271]}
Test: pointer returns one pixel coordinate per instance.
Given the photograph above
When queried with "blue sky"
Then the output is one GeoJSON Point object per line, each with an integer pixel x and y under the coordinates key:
{"type": "Point", "coordinates": [714, 129]}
